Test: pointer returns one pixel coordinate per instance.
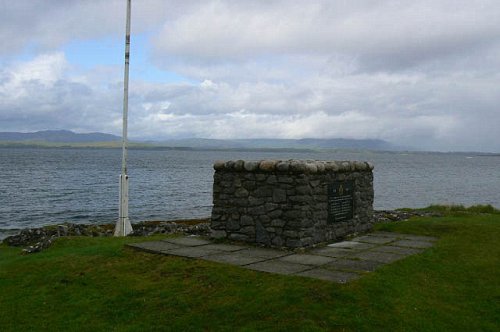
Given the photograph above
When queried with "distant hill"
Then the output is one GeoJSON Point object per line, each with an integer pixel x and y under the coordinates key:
{"type": "Point", "coordinates": [58, 136]}
{"type": "Point", "coordinates": [61, 138]}
{"type": "Point", "coordinates": [305, 143]}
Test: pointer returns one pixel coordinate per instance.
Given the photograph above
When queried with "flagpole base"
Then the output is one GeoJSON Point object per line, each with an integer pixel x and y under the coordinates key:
{"type": "Point", "coordinates": [123, 226]}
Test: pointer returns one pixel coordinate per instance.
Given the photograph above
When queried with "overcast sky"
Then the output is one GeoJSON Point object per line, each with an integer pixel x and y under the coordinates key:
{"type": "Point", "coordinates": [415, 73]}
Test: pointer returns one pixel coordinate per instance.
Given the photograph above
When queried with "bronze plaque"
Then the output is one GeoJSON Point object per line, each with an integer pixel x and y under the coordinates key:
{"type": "Point", "coordinates": [340, 201]}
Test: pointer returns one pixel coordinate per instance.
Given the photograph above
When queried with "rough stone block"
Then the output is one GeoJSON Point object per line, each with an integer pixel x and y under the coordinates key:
{"type": "Point", "coordinates": [271, 179]}
{"type": "Point", "coordinates": [303, 190]}
{"type": "Point", "coordinates": [264, 219]}
{"type": "Point", "coordinates": [277, 241]}
{"type": "Point", "coordinates": [257, 210]}
{"type": "Point", "coordinates": [241, 192]}
{"type": "Point", "coordinates": [271, 206]}
{"type": "Point", "coordinates": [261, 234]}
{"type": "Point", "coordinates": [260, 177]}
{"type": "Point", "coordinates": [246, 220]}
{"type": "Point", "coordinates": [292, 234]}
{"type": "Point", "coordinates": [315, 183]}
{"type": "Point", "coordinates": [238, 237]}
{"type": "Point", "coordinates": [267, 165]}
{"type": "Point", "coordinates": [238, 165]}
{"type": "Point", "coordinates": [277, 223]}
{"type": "Point", "coordinates": [283, 166]}
{"type": "Point", "coordinates": [218, 234]}
{"type": "Point", "coordinates": [233, 225]}
{"type": "Point", "coordinates": [251, 165]}
{"type": "Point", "coordinates": [275, 214]}
{"type": "Point", "coordinates": [285, 179]}
{"type": "Point", "coordinates": [253, 201]}
{"type": "Point", "coordinates": [293, 243]}
{"type": "Point", "coordinates": [286, 197]}
{"type": "Point", "coordinates": [262, 192]}
{"type": "Point", "coordinates": [301, 199]}
{"type": "Point", "coordinates": [279, 195]}
{"type": "Point", "coordinates": [247, 230]}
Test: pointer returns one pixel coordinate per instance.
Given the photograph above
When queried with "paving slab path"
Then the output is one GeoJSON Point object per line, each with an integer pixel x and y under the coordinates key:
{"type": "Point", "coordinates": [338, 262]}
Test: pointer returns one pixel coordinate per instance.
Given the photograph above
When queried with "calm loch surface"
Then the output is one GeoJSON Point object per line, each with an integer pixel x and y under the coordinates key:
{"type": "Point", "coordinates": [48, 186]}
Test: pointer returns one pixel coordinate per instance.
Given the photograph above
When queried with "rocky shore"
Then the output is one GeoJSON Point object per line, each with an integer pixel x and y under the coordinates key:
{"type": "Point", "coordinates": [384, 216]}
{"type": "Point", "coordinates": [36, 239]}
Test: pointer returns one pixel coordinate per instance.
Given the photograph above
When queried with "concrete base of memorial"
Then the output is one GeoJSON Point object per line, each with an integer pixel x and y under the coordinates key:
{"type": "Point", "coordinates": [339, 262]}
{"type": "Point", "coordinates": [291, 203]}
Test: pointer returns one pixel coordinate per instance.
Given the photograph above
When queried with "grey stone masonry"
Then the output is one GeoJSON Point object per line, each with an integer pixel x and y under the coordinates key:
{"type": "Point", "coordinates": [286, 203]}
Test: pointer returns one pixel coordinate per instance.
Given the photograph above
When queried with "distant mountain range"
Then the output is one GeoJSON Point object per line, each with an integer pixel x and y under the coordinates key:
{"type": "Point", "coordinates": [58, 136]}
{"type": "Point", "coordinates": [63, 137]}
{"type": "Point", "coordinates": [263, 143]}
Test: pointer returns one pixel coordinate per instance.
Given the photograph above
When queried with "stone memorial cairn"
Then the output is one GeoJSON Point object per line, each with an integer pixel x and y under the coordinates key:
{"type": "Point", "coordinates": [291, 203]}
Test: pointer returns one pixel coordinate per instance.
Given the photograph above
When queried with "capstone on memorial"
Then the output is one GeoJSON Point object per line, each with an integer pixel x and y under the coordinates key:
{"type": "Point", "coordinates": [292, 203]}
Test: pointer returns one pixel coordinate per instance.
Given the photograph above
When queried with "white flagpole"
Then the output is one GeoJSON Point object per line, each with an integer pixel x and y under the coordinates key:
{"type": "Point", "coordinates": [123, 226]}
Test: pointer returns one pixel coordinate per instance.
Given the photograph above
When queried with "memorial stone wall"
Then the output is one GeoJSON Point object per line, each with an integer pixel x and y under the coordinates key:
{"type": "Point", "coordinates": [291, 203]}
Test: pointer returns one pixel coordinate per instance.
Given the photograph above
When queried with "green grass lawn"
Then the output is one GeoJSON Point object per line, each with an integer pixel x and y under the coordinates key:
{"type": "Point", "coordinates": [96, 284]}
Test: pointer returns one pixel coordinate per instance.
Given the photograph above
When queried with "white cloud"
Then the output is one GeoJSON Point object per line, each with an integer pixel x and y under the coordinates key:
{"type": "Point", "coordinates": [408, 33]}
{"type": "Point", "coordinates": [422, 73]}
{"type": "Point", "coordinates": [42, 94]}
{"type": "Point", "coordinates": [44, 70]}
{"type": "Point", "coordinates": [46, 25]}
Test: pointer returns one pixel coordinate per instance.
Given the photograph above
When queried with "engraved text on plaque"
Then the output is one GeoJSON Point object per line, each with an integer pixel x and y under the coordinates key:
{"type": "Point", "coordinates": [340, 201]}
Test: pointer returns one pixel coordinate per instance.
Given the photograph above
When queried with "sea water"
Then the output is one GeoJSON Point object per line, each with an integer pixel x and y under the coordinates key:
{"type": "Point", "coordinates": [49, 186]}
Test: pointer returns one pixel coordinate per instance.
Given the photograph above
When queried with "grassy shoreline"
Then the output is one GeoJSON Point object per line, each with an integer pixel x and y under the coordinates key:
{"type": "Point", "coordinates": [96, 284]}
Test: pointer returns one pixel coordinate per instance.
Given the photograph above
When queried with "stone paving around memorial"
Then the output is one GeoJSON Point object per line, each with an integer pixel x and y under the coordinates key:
{"type": "Point", "coordinates": [338, 262]}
